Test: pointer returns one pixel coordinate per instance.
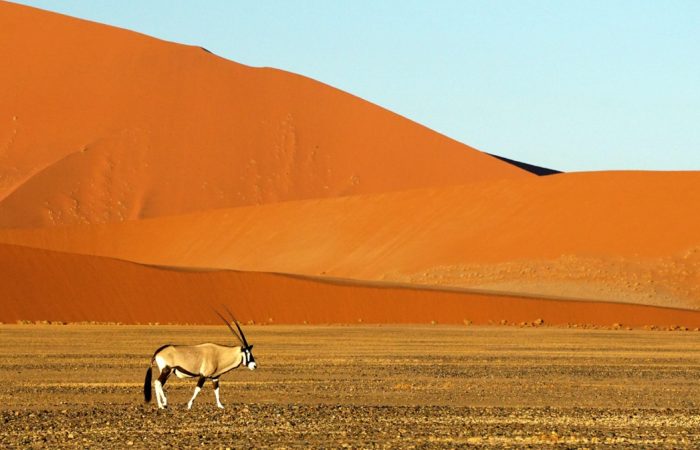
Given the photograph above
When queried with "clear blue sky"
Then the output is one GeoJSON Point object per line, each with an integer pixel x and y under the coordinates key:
{"type": "Point", "coordinates": [573, 85]}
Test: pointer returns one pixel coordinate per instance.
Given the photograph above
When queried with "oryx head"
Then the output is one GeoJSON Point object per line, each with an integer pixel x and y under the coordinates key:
{"type": "Point", "coordinates": [246, 349]}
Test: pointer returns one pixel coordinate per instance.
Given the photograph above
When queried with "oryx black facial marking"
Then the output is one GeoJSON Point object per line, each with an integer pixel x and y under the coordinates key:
{"type": "Point", "coordinates": [204, 361]}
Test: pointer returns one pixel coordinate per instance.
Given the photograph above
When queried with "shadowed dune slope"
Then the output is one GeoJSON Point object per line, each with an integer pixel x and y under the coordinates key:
{"type": "Point", "coordinates": [99, 124]}
{"type": "Point", "coordinates": [42, 285]}
{"type": "Point", "coordinates": [537, 170]}
{"type": "Point", "coordinates": [616, 236]}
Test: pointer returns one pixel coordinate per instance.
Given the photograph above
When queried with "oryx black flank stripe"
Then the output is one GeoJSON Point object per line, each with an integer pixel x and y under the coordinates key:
{"type": "Point", "coordinates": [186, 372]}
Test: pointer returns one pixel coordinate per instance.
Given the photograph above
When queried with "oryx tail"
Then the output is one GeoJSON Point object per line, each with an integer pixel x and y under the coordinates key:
{"type": "Point", "coordinates": [147, 385]}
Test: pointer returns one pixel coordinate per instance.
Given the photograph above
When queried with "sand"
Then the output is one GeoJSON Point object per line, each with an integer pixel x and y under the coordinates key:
{"type": "Point", "coordinates": [428, 387]}
{"type": "Point", "coordinates": [99, 124]}
{"type": "Point", "coordinates": [39, 285]}
{"type": "Point", "coordinates": [144, 181]}
{"type": "Point", "coordinates": [611, 236]}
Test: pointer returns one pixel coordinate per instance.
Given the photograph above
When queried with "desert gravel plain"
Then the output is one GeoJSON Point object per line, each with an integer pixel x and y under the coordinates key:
{"type": "Point", "coordinates": [365, 386]}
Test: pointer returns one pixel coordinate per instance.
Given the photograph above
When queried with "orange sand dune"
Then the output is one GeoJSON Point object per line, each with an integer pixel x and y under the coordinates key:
{"type": "Point", "coordinates": [43, 285]}
{"type": "Point", "coordinates": [99, 124]}
{"type": "Point", "coordinates": [101, 128]}
{"type": "Point", "coordinates": [617, 236]}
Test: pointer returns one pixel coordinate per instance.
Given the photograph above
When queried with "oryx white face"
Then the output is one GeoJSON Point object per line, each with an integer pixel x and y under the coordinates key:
{"type": "Point", "coordinates": [248, 358]}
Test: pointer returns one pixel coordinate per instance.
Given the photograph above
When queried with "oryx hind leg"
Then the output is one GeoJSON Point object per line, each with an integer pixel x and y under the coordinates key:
{"type": "Point", "coordinates": [159, 384]}
{"type": "Point", "coordinates": [200, 384]}
{"type": "Point", "coordinates": [216, 393]}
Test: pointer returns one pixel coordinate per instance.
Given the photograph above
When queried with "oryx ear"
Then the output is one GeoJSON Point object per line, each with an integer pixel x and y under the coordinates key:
{"type": "Point", "coordinates": [250, 348]}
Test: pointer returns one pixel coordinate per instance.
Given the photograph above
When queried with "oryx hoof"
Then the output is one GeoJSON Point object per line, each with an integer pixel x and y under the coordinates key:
{"type": "Point", "coordinates": [220, 406]}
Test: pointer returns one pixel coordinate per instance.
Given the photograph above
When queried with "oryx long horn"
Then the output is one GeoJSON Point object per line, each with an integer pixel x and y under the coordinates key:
{"type": "Point", "coordinates": [244, 341]}
{"type": "Point", "coordinates": [231, 328]}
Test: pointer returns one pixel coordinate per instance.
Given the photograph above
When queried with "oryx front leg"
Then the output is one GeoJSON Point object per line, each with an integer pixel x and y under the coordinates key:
{"type": "Point", "coordinates": [216, 393]}
{"type": "Point", "coordinates": [200, 384]}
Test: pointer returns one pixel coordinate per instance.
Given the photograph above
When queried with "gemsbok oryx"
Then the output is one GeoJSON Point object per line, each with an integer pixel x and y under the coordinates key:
{"type": "Point", "coordinates": [204, 361]}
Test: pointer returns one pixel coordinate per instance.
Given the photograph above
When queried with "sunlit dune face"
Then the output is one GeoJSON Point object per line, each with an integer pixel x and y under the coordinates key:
{"type": "Point", "coordinates": [99, 134]}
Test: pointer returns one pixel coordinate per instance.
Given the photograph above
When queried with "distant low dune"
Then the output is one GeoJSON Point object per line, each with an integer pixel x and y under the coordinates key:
{"type": "Point", "coordinates": [38, 285]}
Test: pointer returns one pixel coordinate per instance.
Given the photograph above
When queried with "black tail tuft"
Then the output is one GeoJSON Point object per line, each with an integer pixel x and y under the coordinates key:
{"type": "Point", "coordinates": [147, 385]}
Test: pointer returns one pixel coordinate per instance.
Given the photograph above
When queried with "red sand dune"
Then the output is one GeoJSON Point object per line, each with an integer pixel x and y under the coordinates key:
{"type": "Point", "coordinates": [43, 285]}
{"type": "Point", "coordinates": [618, 236]}
{"type": "Point", "coordinates": [99, 124]}
{"type": "Point", "coordinates": [107, 137]}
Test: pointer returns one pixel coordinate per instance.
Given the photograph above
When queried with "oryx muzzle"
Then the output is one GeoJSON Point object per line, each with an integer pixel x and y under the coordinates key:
{"type": "Point", "coordinates": [204, 361]}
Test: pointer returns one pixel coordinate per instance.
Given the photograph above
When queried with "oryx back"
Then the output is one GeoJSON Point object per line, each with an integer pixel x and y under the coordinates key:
{"type": "Point", "coordinates": [206, 360]}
